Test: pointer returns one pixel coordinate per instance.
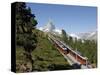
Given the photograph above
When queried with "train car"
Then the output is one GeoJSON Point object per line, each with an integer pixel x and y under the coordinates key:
{"type": "Point", "coordinates": [78, 57]}
{"type": "Point", "coordinates": [82, 60]}
{"type": "Point", "coordinates": [66, 50]}
{"type": "Point", "coordinates": [63, 49]}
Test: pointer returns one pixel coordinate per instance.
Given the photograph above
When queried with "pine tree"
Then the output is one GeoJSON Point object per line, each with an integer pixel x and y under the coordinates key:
{"type": "Point", "coordinates": [25, 23]}
{"type": "Point", "coordinates": [64, 36]}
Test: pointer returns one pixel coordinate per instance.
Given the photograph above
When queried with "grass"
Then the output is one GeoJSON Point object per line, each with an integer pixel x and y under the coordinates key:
{"type": "Point", "coordinates": [44, 55]}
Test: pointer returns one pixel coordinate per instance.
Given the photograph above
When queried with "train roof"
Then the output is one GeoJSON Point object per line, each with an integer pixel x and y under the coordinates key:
{"type": "Point", "coordinates": [74, 51]}
{"type": "Point", "coordinates": [79, 54]}
{"type": "Point", "coordinates": [70, 49]}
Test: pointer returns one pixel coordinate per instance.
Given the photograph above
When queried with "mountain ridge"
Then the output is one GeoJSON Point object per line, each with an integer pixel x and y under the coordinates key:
{"type": "Point", "coordinates": [50, 27]}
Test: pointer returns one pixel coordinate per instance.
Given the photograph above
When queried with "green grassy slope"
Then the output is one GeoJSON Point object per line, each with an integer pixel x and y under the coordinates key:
{"type": "Point", "coordinates": [45, 56]}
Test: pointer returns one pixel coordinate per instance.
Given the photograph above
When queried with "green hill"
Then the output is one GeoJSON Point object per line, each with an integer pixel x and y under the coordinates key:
{"type": "Point", "coordinates": [45, 56]}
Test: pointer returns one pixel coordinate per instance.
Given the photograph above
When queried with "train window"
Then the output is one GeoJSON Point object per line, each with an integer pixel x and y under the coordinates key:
{"type": "Point", "coordinates": [65, 48]}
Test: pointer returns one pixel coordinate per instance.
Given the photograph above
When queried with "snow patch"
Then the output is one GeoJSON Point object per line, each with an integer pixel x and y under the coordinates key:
{"type": "Point", "coordinates": [74, 36]}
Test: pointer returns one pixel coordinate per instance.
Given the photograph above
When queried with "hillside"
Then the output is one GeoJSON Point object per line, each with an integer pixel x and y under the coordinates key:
{"type": "Point", "coordinates": [45, 56]}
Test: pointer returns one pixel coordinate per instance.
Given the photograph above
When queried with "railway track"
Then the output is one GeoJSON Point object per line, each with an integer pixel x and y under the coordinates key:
{"type": "Point", "coordinates": [70, 55]}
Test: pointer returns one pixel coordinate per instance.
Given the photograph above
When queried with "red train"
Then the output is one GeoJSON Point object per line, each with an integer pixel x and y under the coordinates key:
{"type": "Point", "coordinates": [66, 50]}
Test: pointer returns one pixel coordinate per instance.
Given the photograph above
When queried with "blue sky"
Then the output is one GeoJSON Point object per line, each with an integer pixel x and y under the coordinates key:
{"type": "Point", "coordinates": [73, 19]}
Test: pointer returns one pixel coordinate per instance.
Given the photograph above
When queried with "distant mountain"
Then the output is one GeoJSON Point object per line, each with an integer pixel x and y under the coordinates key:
{"type": "Point", "coordinates": [58, 31]}
{"type": "Point", "coordinates": [85, 36]}
{"type": "Point", "coordinates": [89, 35]}
{"type": "Point", "coordinates": [74, 36]}
{"type": "Point", "coordinates": [50, 27]}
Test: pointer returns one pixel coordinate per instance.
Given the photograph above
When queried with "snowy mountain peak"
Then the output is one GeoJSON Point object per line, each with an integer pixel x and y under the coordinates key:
{"type": "Point", "coordinates": [49, 27]}
{"type": "Point", "coordinates": [89, 35]}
